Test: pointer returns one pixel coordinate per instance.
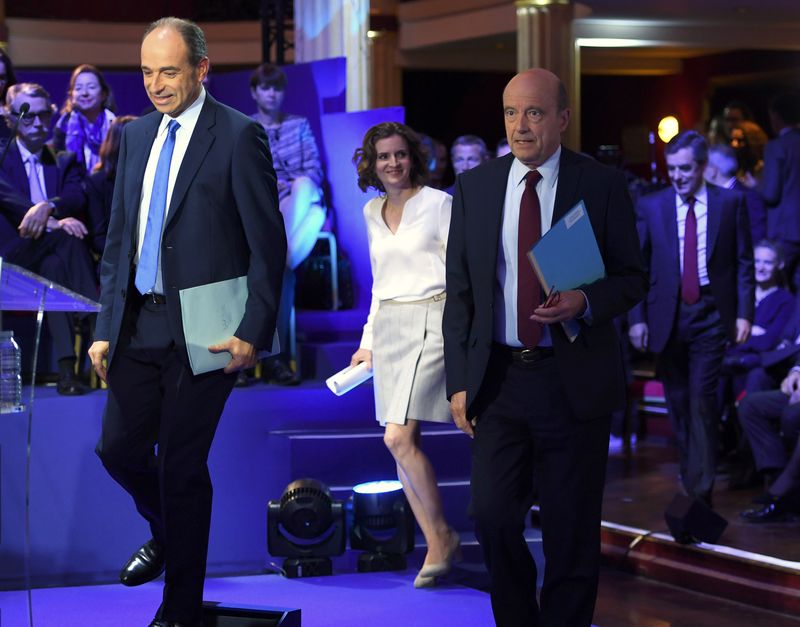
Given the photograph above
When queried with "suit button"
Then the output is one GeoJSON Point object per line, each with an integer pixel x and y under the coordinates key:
{"type": "Point", "coordinates": [122, 293]}
{"type": "Point", "coordinates": [130, 254]}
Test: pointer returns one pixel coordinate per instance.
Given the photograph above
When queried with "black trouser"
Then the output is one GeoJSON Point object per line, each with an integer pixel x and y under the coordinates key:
{"type": "Point", "coordinates": [64, 260]}
{"type": "Point", "coordinates": [690, 367]}
{"type": "Point", "coordinates": [154, 400]}
{"type": "Point", "coordinates": [525, 428]}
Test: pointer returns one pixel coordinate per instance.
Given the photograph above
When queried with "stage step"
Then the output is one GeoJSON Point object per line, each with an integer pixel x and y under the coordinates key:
{"type": "Point", "coordinates": [319, 360]}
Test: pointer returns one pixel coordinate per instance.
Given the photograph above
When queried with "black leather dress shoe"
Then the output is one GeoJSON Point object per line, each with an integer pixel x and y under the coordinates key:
{"type": "Point", "coordinates": [144, 565]}
{"type": "Point", "coordinates": [279, 373]}
{"type": "Point", "coordinates": [169, 623]}
{"type": "Point", "coordinates": [70, 386]}
{"type": "Point", "coordinates": [777, 508]}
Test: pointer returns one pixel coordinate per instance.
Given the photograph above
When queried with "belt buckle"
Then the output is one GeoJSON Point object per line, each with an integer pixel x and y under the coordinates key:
{"type": "Point", "coordinates": [528, 355]}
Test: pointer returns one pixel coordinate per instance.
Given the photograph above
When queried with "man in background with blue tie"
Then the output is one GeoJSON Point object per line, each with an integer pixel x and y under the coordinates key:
{"type": "Point", "coordinates": [40, 232]}
{"type": "Point", "coordinates": [697, 248]}
{"type": "Point", "coordinates": [195, 203]}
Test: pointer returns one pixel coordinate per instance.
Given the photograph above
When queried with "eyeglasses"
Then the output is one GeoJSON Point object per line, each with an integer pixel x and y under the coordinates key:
{"type": "Point", "coordinates": [30, 116]}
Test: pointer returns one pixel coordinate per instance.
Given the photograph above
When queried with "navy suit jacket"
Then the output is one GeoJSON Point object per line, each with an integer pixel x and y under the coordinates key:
{"type": "Point", "coordinates": [63, 185]}
{"type": "Point", "coordinates": [729, 259]}
{"type": "Point", "coordinates": [222, 222]}
{"type": "Point", "coordinates": [780, 187]}
{"type": "Point", "coordinates": [590, 367]}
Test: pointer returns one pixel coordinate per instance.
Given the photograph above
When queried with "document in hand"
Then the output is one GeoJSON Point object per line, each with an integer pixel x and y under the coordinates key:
{"type": "Point", "coordinates": [567, 256]}
{"type": "Point", "coordinates": [211, 314]}
{"type": "Point", "coordinates": [345, 380]}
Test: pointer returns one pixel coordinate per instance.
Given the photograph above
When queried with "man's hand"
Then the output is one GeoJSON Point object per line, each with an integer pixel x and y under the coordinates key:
{"type": "Point", "coordinates": [638, 335]}
{"type": "Point", "coordinates": [362, 354]}
{"type": "Point", "coordinates": [458, 408]}
{"type": "Point", "coordinates": [73, 227]}
{"type": "Point", "coordinates": [243, 354]}
{"type": "Point", "coordinates": [98, 352]}
{"type": "Point", "coordinates": [791, 383]}
{"type": "Point", "coordinates": [35, 220]}
{"type": "Point", "coordinates": [742, 330]}
{"type": "Point", "coordinates": [568, 305]}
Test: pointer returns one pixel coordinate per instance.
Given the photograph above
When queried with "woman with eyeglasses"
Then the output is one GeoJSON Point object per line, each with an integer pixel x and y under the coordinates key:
{"type": "Point", "coordinates": [86, 116]}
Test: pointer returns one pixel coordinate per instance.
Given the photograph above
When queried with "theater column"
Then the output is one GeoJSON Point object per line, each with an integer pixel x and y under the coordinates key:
{"type": "Point", "coordinates": [544, 39]}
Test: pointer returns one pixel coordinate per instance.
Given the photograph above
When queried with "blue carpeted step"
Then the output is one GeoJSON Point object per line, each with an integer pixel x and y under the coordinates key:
{"type": "Point", "coordinates": [319, 360]}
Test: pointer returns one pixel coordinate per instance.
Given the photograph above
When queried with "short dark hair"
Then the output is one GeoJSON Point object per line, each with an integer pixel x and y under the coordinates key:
{"type": "Point", "coordinates": [689, 139]}
{"type": "Point", "coordinates": [724, 158]}
{"type": "Point", "coordinates": [366, 156]}
{"type": "Point", "coordinates": [786, 106]}
{"type": "Point", "coordinates": [191, 33]}
{"type": "Point", "coordinates": [86, 68]}
{"type": "Point", "coordinates": [471, 140]}
{"type": "Point", "coordinates": [268, 75]}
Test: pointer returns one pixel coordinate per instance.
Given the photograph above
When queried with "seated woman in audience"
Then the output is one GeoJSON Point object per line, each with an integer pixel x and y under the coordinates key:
{"type": "Point", "coordinates": [99, 185]}
{"type": "Point", "coordinates": [297, 166]}
{"type": "Point", "coordinates": [407, 228]}
{"type": "Point", "coordinates": [86, 116]}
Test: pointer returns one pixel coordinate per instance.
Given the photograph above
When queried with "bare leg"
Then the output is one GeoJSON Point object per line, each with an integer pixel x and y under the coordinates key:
{"type": "Point", "coordinates": [419, 484]}
{"type": "Point", "coordinates": [303, 218]}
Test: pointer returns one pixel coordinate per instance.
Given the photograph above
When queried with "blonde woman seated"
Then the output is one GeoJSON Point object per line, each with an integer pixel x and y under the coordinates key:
{"type": "Point", "coordinates": [407, 226]}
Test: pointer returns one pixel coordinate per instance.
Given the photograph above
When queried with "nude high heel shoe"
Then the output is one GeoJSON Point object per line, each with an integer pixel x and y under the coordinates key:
{"type": "Point", "coordinates": [431, 571]}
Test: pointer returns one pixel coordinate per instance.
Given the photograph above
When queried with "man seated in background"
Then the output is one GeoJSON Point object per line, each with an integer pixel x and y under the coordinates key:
{"type": "Point", "coordinates": [467, 152]}
{"type": "Point", "coordinates": [40, 232]}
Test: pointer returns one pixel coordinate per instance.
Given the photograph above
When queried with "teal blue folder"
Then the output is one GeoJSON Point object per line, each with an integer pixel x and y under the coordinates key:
{"type": "Point", "coordinates": [211, 314]}
{"type": "Point", "coordinates": [567, 256]}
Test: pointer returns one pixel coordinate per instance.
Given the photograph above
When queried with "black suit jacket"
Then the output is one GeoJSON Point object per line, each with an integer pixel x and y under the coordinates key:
{"type": "Point", "coordinates": [591, 367]}
{"type": "Point", "coordinates": [780, 187]}
{"type": "Point", "coordinates": [63, 185]}
{"type": "Point", "coordinates": [729, 259]}
{"type": "Point", "coordinates": [223, 222]}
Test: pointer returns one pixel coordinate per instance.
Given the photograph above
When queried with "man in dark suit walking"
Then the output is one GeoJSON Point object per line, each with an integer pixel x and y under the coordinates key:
{"type": "Point", "coordinates": [780, 186]}
{"type": "Point", "coordinates": [536, 403]}
{"type": "Point", "coordinates": [41, 232]}
{"type": "Point", "coordinates": [195, 202]}
{"type": "Point", "coordinates": [697, 248]}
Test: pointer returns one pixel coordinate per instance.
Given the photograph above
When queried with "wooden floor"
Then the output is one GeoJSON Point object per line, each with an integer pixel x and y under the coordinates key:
{"type": "Point", "coordinates": [641, 484]}
{"type": "Point", "coordinates": [627, 601]}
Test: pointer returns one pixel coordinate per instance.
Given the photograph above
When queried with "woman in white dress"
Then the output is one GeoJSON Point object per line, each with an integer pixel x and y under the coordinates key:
{"type": "Point", "coordinates": [407, 226]}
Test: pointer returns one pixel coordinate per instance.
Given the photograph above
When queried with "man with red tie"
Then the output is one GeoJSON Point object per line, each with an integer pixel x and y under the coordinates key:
{"type": "Point", "coordinates": [697, 248]}
{"type": "Point", "coordinates": [537, 404]}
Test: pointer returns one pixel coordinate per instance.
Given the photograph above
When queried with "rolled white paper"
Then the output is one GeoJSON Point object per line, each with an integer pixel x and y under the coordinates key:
{"type": "Point", "coordinates": [345, 380]}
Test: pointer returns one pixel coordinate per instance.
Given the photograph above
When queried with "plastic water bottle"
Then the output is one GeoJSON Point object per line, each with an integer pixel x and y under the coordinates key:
{"type": "Point", "coordinates": [10, 377]}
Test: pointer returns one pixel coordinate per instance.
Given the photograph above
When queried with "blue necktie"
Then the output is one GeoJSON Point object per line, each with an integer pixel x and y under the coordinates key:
{"type": "Point", "coordinates": [147, 270]}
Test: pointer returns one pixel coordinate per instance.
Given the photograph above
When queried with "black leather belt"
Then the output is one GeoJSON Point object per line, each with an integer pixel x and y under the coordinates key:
{"type": "Point", "coordinates": [525, 355]}
{"type": "Point", "coordinates": [156, 299]}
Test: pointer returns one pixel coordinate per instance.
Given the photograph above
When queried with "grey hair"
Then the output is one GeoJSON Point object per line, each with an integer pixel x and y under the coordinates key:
{"type": "Point", "coordinates": [191, 33]}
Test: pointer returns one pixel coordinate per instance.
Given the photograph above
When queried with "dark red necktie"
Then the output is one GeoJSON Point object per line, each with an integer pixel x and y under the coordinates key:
{"type": "Point", "coordinates": [528, 289]}
{"type": "Point", "coordinates": [690, 281]}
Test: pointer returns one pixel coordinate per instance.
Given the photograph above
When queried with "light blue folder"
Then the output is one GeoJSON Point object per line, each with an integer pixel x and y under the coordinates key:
{"type": "Point", "coordinates": [567, 256]}
{"type": "Point", "coordinates": [211, 314]}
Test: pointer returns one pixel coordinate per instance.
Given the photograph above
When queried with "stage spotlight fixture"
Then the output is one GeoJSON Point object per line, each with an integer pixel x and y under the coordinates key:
{"type": "Point", "coordinates": [306, 527]}
{"type": "Point", "coordinates": [668, 127]}
{"type": "Point", "coordinates": [382, 526]}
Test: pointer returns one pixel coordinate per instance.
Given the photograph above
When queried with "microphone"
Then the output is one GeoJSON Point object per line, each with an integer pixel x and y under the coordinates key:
{"type": "Point", "coordinates": [24, 108]}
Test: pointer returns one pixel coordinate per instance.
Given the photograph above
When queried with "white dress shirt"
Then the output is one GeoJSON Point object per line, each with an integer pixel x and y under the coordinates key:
{"type": "Point", "coordinates": [187, 121]}
{"type": "Point", "coordinates": [505, 297]}
{"type": "Point", "coordinates": [701, 213]}
{"type": "Point", "coordinates": [409, 264]}
{"type": "Point", "coordinates": [25, 154]}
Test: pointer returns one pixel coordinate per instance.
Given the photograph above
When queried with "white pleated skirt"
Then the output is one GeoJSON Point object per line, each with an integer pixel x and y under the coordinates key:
{"type": "Point", "coordinates": [408, 362]}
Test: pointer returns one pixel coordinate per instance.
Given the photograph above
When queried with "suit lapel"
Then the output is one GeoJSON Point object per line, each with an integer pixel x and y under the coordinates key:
{"type": "Point", "coordinates": [713, 217]}
{"type": "Point", "coordinates": [199, 145]}
{"type": "Point", "coordinates": [139, 153]}
{"type": "Point", "coordinates": [16, 170]}
{"type": "Point", "coordinates": [491, 219]}
{"type": "Point", "coordinates": [669, 220]}
{"type": "Point", "coordinates": [50, 167]}
{"type": "Point", "coordinates": [567, 192]}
